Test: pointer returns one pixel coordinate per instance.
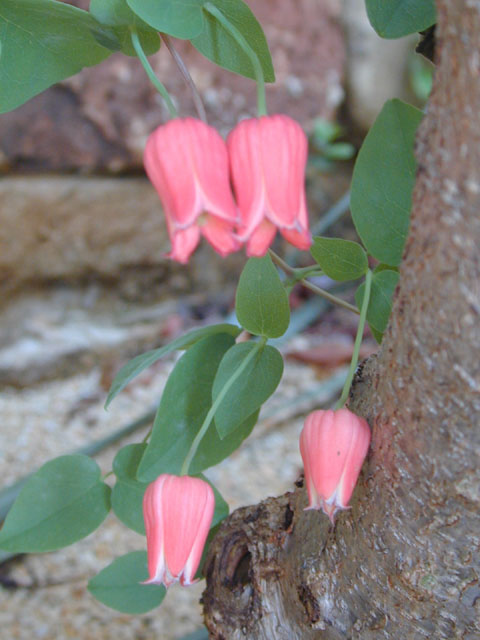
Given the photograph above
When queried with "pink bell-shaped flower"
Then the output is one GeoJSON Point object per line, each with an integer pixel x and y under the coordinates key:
{"type": "Point", "coordinates": [178, 512]}
{"type": "Point", "coordinates": [333, 445]}
{"type": "Point", "coordinates": [187, 162]}
{"type": "Point", "coordinates": [267, 162]}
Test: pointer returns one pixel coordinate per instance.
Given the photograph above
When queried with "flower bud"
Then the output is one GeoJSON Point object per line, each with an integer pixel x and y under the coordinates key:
{"type": "Point", "coordinates": [187, 162]}
{"type": "Point", "coordinates": [178, 512]}
{"type": "Point", "coordinates": [333, 445]}
{"type": "Point", "coordinates": [268, 156]}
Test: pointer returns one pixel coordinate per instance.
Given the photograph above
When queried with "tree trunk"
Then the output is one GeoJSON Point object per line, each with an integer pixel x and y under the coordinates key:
{"type": "Point", "coordinates": [404, 562]}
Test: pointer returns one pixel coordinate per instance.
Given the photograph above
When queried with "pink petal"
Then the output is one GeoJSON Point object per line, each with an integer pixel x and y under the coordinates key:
{"type": "Point", "coordinates": [300, 239]}
{"type": "Point", "coordinates": [168, 163]}
{"type": "Point", "coordinates": [355, 457]}
{"type": "Point", "coordinates": [178, 512]}
{"type": "Point", "coordinates": [219, 234]}
{"type": "Point", "coordinates": [184, 243]}
{"type": "Point", "coordinates": [188, 505]}
{"type": "Point", "coordinates": [152, 513]}
{"type": "Point", "coordinates": [261, 239]}
{"type": "Point", "coordinates": [210, 163]}
{"type": "Point", "coordinates": [283, 147]}
{"type": "Point", "coordinates": [333, 445]}
{"type": "Point", "coordinates": [247, 174]}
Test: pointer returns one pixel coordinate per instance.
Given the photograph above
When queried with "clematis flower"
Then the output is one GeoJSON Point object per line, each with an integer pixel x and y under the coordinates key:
{"type": "Point", "coordinates": [178, 512]}
{"type": "Point", "coordinates": [267, 162]}
{"type": "Point", "coordinates": [333, 445]}
{"type": "Point", "coordinates": [187, 162]}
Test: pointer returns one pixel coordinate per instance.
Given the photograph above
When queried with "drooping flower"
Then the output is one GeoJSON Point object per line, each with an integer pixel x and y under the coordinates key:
{"type": "Point", "coordinates": [187, 162]}
{"type": "Point", "coordinates": [333, 445]}
{"type": "Point", "coordinates": [178, 512]}
{"type": "Point", "coordinates": [267, 162]}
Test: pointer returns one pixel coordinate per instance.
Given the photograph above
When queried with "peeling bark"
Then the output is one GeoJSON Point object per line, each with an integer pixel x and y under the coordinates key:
{"type": "Point", "coordinates": [404, 562]}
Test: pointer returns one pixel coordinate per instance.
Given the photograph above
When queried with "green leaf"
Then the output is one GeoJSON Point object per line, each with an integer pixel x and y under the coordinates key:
{"type": "Point", "coordinates": [378, 335]}
{"type": "Point", "coordinates": [381, 294]}
{"type": "Point", "coordinates": [43, 42]}
{"type": "Point", "coordinates": [397, 18]}
{"type": "Point", "coordinates": [178, 18]}
{"type": "Point", "coordinates": [127, 494]}
{"type": "Point", "coordinates": [261, 302]}
{"type": "Point", "coordinates": [213, 450]}
{"type": "Point", "coordinates": [118, 15]}
{"type": "Point", "coordinates": [118, 585]}
{"type": "Point", "coordinates": [383, 180]}
{"type": "Point", "coordinates": [134, 367]}
{"type": "Point", "coordinates": [216, 43]}
{"type": "Point", "coordinates": [340, 259]}
{"type": "Point", "coordinates": [64, 501]}
{"type": "Point", "coordinates": [251, 390]}
{"type": "Point", "coordinates": [185, 403]}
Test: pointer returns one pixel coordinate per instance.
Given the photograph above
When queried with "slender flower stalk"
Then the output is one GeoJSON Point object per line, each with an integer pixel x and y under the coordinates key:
{"type": "Point", "coordinates": [210, 415]}
{"type": "Point", "coordinates": [257, 67]}
{"type": "Point", "coordinates": [151, 74]}
{"type": "Point", "coordinates": [358, 341]}
{"type": "Point", "coordinates": [182, 67]}
{"type": "Point", "coordinates": [290, 271]}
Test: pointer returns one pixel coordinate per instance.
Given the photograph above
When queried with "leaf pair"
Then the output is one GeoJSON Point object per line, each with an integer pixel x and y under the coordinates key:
{"type": "Point", "coordinates": [192, 387]}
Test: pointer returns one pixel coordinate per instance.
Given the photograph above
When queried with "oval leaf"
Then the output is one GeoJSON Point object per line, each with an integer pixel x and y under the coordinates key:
{"type": "Point", "coordinates": [178, 18]}
{"type": "Point", "coordinates": [134, 367]}
{"type": "Point", "coordinates": [251, 390]}
{"type": "Point", "coordinates": [340, 259]}
{"type": "Point", "coordinates": [127, 494]}
{"type": "Point", "coordinates": [383, 181]}
{"type": "Point", "coordinates": [43, 42]}
{"type": "Point", "coordinates": [216, 43]}
{"type": "Point", "coordinates": [64, 501]}
{"type": "Point", "coordinates": [397, 18]}
{"type": "Point", "coordinates": [380, 304]}
{"type": "Point", "coordinates": [118, 585]}
{"type": "Point", "coordinates": [261, 302]}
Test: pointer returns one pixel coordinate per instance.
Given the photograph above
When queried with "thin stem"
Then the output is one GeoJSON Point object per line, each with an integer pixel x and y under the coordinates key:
{"type": "Point", "coordinates": [257, 67]}
{"type": "Point", "coordinates": [151, 74]}
{"type": "Point", "coordinates": [209, 417]}
{"type": "Point", "coordinates": [197, 100]}
{"type": "Point", "coordinates": [290, 271]}
{"type": "Point", "coordinates": [358, 342]}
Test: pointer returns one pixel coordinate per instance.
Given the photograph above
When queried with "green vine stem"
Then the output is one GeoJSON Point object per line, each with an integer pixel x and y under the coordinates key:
{"type": "Point", "coordinates": [182, 67]}
{"type": "Point", "coordinates": [257, 67]}
{"type": "Point", "coordinates": [151, 74]}
{"type": "Point", "coordinates": [358, 341]}
{"type": "Point", "coordinates": [290, 271]}
{"type": "Point", "coordinates": [213, 409]}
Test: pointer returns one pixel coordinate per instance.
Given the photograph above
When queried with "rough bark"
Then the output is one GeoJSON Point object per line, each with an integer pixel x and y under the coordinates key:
{"type": "Point", "coordinates": [404, 562]}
